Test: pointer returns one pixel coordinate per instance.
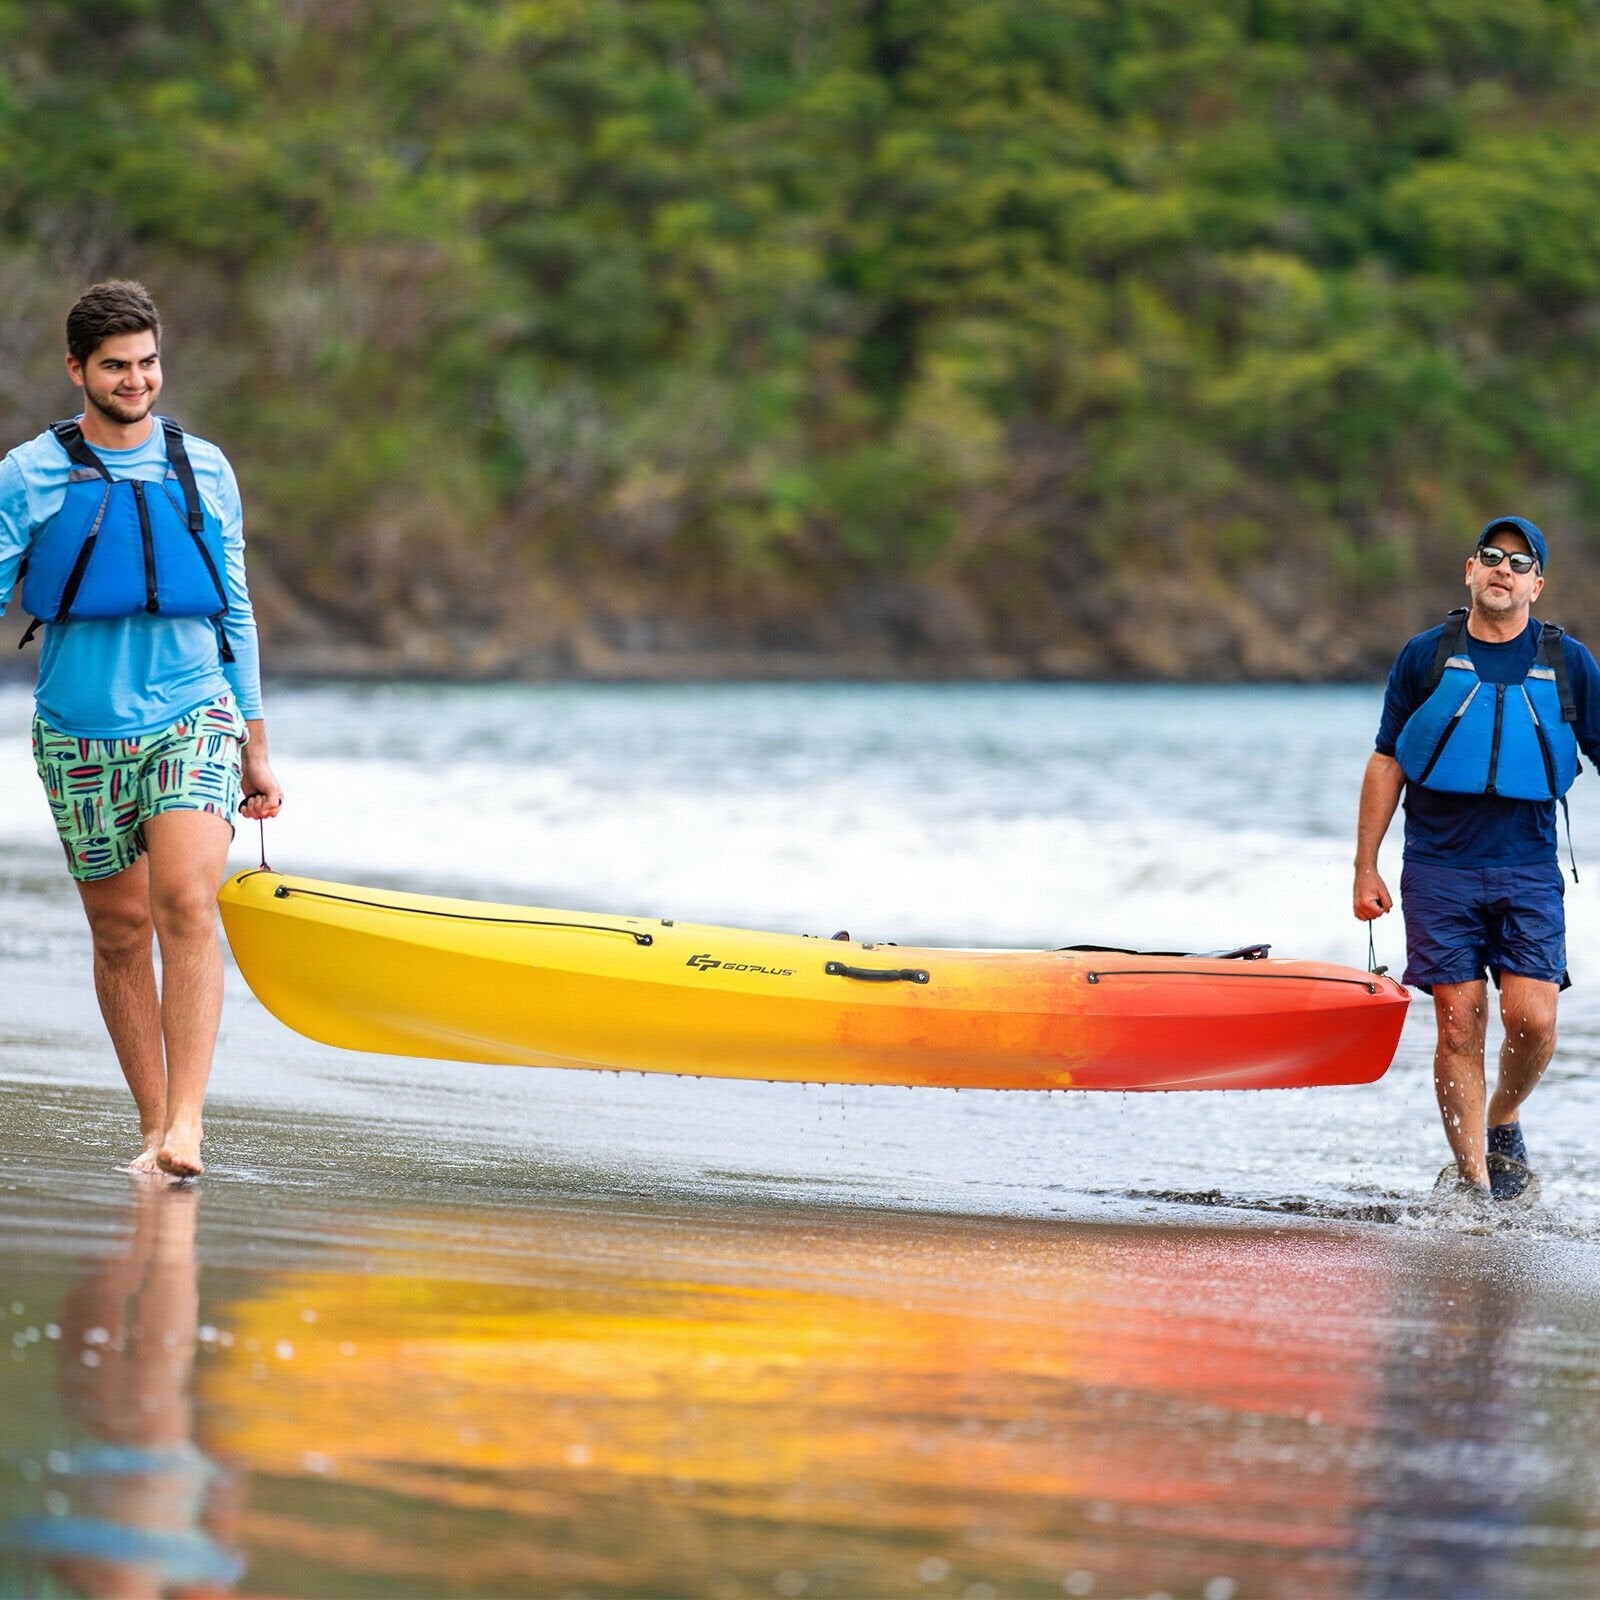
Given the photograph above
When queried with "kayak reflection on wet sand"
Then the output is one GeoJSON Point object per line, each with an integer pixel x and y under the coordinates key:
{"type": "Point", "coordinates": [529, 1393]}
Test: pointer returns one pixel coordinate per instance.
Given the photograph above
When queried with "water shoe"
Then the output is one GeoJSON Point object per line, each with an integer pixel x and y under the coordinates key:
{"type": "Point", "coordinates": [1506, 1140]}
{"type": "Point", "coordinates": [1512, 1181]}
{"type": "Point", "coordinates": [1451, 1189]}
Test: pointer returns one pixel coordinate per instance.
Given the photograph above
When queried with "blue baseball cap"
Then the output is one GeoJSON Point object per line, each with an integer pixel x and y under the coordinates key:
{"type": "Point", "coordinates": [1528, 530]}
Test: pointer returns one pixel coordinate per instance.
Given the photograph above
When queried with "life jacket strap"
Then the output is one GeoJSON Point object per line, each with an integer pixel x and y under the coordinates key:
{"type": "Point", "coordinates": [179, 457]}
{"type": "Point", "coordinates": [1455, 627]}
{"type": "Point", "coordinates": [1554, 657]}
{"type": "Point", "coordinates": [70, 436]}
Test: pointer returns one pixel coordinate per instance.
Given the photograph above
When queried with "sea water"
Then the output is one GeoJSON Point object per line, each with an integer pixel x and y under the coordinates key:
{"type": "Point", "coordinates": [1164, 818]}
{"type": "Point", "coordinates": [434, 1329]}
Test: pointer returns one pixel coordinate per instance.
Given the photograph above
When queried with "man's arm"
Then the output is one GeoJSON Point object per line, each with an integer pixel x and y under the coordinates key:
{"type": "Point", "coordinates": [1584, 675]}
{"type": "Point", "coordinates": [1381, 788]}
{"type": "Point", "coordinates": [262, 795]}
{"type": "Point", "coordinates": [222, 488]}
{"type": "Point", "coordinates": [14, 529]}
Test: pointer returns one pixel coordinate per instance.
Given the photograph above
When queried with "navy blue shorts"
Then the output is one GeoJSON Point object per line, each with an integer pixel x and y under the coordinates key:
{"type": "Point", "coordinates": [1460, 920]}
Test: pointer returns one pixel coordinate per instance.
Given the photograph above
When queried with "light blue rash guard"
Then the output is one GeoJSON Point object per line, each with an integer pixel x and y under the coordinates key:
{"type": "Point", "coordinates": [125, 677]}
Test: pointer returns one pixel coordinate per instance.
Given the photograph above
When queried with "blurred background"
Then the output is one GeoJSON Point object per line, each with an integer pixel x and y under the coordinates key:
{"type": "Point", "coordinates": [1162, 339]}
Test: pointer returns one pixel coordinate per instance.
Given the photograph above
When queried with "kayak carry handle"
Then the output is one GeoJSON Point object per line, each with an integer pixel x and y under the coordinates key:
{"type": "Point", "coordinates": [837, 969]}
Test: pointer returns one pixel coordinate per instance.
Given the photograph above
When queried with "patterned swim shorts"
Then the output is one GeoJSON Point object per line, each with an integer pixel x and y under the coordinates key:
{"type": "Point", "coordinates": [103, 790]}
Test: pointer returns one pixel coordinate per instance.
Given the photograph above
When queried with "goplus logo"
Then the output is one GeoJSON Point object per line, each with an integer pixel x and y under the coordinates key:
{"type": "Point", "coordinates": [706, 961]}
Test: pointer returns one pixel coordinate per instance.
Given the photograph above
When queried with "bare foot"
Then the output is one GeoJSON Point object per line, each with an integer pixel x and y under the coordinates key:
{"type": "Point", "coordinates": [179, 1154]}
{"type": "Point", "coordinates": [146, 1161]}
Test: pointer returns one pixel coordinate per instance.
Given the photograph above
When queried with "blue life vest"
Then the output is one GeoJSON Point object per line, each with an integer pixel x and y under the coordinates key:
{"type": "Point", "coordinates": [119, 547]}
{"type": "Point", "coordinates": [1514, 740]}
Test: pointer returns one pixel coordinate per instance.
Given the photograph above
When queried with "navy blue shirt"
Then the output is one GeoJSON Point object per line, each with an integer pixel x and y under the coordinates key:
{"type": "Point", "coordinates": [1456, 830]}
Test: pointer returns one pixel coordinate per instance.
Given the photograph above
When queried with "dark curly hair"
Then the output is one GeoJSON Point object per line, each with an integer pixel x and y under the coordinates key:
{"type": "Point", "coordinates": [120, 306]}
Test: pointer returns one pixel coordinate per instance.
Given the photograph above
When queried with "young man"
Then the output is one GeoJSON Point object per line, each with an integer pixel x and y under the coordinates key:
{"type": "Point", "coordinates": [1481, 728]}
{"type": "Point", "coordinates": [128, 540]}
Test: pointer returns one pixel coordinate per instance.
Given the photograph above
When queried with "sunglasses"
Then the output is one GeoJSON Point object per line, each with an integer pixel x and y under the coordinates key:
{"type": "Point", "coordinates": [1492, 555]}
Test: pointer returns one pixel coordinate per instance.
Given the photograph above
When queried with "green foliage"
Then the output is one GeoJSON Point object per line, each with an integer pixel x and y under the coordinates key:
{"type": "Point", "coordinates": [802, 287]}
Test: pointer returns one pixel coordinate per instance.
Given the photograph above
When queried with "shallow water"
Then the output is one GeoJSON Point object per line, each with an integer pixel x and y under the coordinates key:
{"type": "Point", "coordinates": [429, 1329]}
{"type": "Point", "coordinates": [1021, 815]}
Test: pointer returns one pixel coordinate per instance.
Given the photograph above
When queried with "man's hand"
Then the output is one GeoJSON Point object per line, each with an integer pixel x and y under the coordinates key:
{"type": "Point", "coordinates": [262, 795]}
{"type": "Point", "coordinates": [1372, 897]}
{"type": "Point", "coordinates": [1381, 788]}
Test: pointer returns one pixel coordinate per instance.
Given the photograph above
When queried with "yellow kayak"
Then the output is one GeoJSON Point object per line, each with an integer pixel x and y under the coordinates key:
{"type": "Point", "coordinates": [418, 975]}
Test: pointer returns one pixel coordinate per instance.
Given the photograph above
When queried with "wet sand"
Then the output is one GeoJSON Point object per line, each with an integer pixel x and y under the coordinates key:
{"type": "Point", "coordinates": [429, 1332]}
{"type": "Point", "coordinates": [447, 1381]}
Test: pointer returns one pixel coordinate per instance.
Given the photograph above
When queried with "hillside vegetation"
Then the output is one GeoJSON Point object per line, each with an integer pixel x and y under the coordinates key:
{"type": "Point", "coordinates": [1161, 337]}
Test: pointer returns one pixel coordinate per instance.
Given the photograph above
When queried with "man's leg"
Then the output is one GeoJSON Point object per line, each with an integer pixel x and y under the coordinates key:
{"type": "Point", "coordinates": [1528, 1010]}
{"type": "Point", "coordinates": [118, 909]}
{"type": "Point", "coordinates": [1458, 1073]}
{"type": "Point", "coordinates": [188, 854]}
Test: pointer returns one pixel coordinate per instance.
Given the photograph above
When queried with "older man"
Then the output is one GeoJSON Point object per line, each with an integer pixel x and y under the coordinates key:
{"type": "Point", "coordinates": [1482, 723]}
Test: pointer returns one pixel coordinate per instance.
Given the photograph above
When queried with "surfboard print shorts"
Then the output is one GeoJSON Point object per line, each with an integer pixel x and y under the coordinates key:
{"type": "Point", "coordinates": [103, 791]}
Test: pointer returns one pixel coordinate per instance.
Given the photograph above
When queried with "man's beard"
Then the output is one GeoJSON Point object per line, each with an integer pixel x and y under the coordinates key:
{"type": "Point", "coordinates": [122, 414]}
